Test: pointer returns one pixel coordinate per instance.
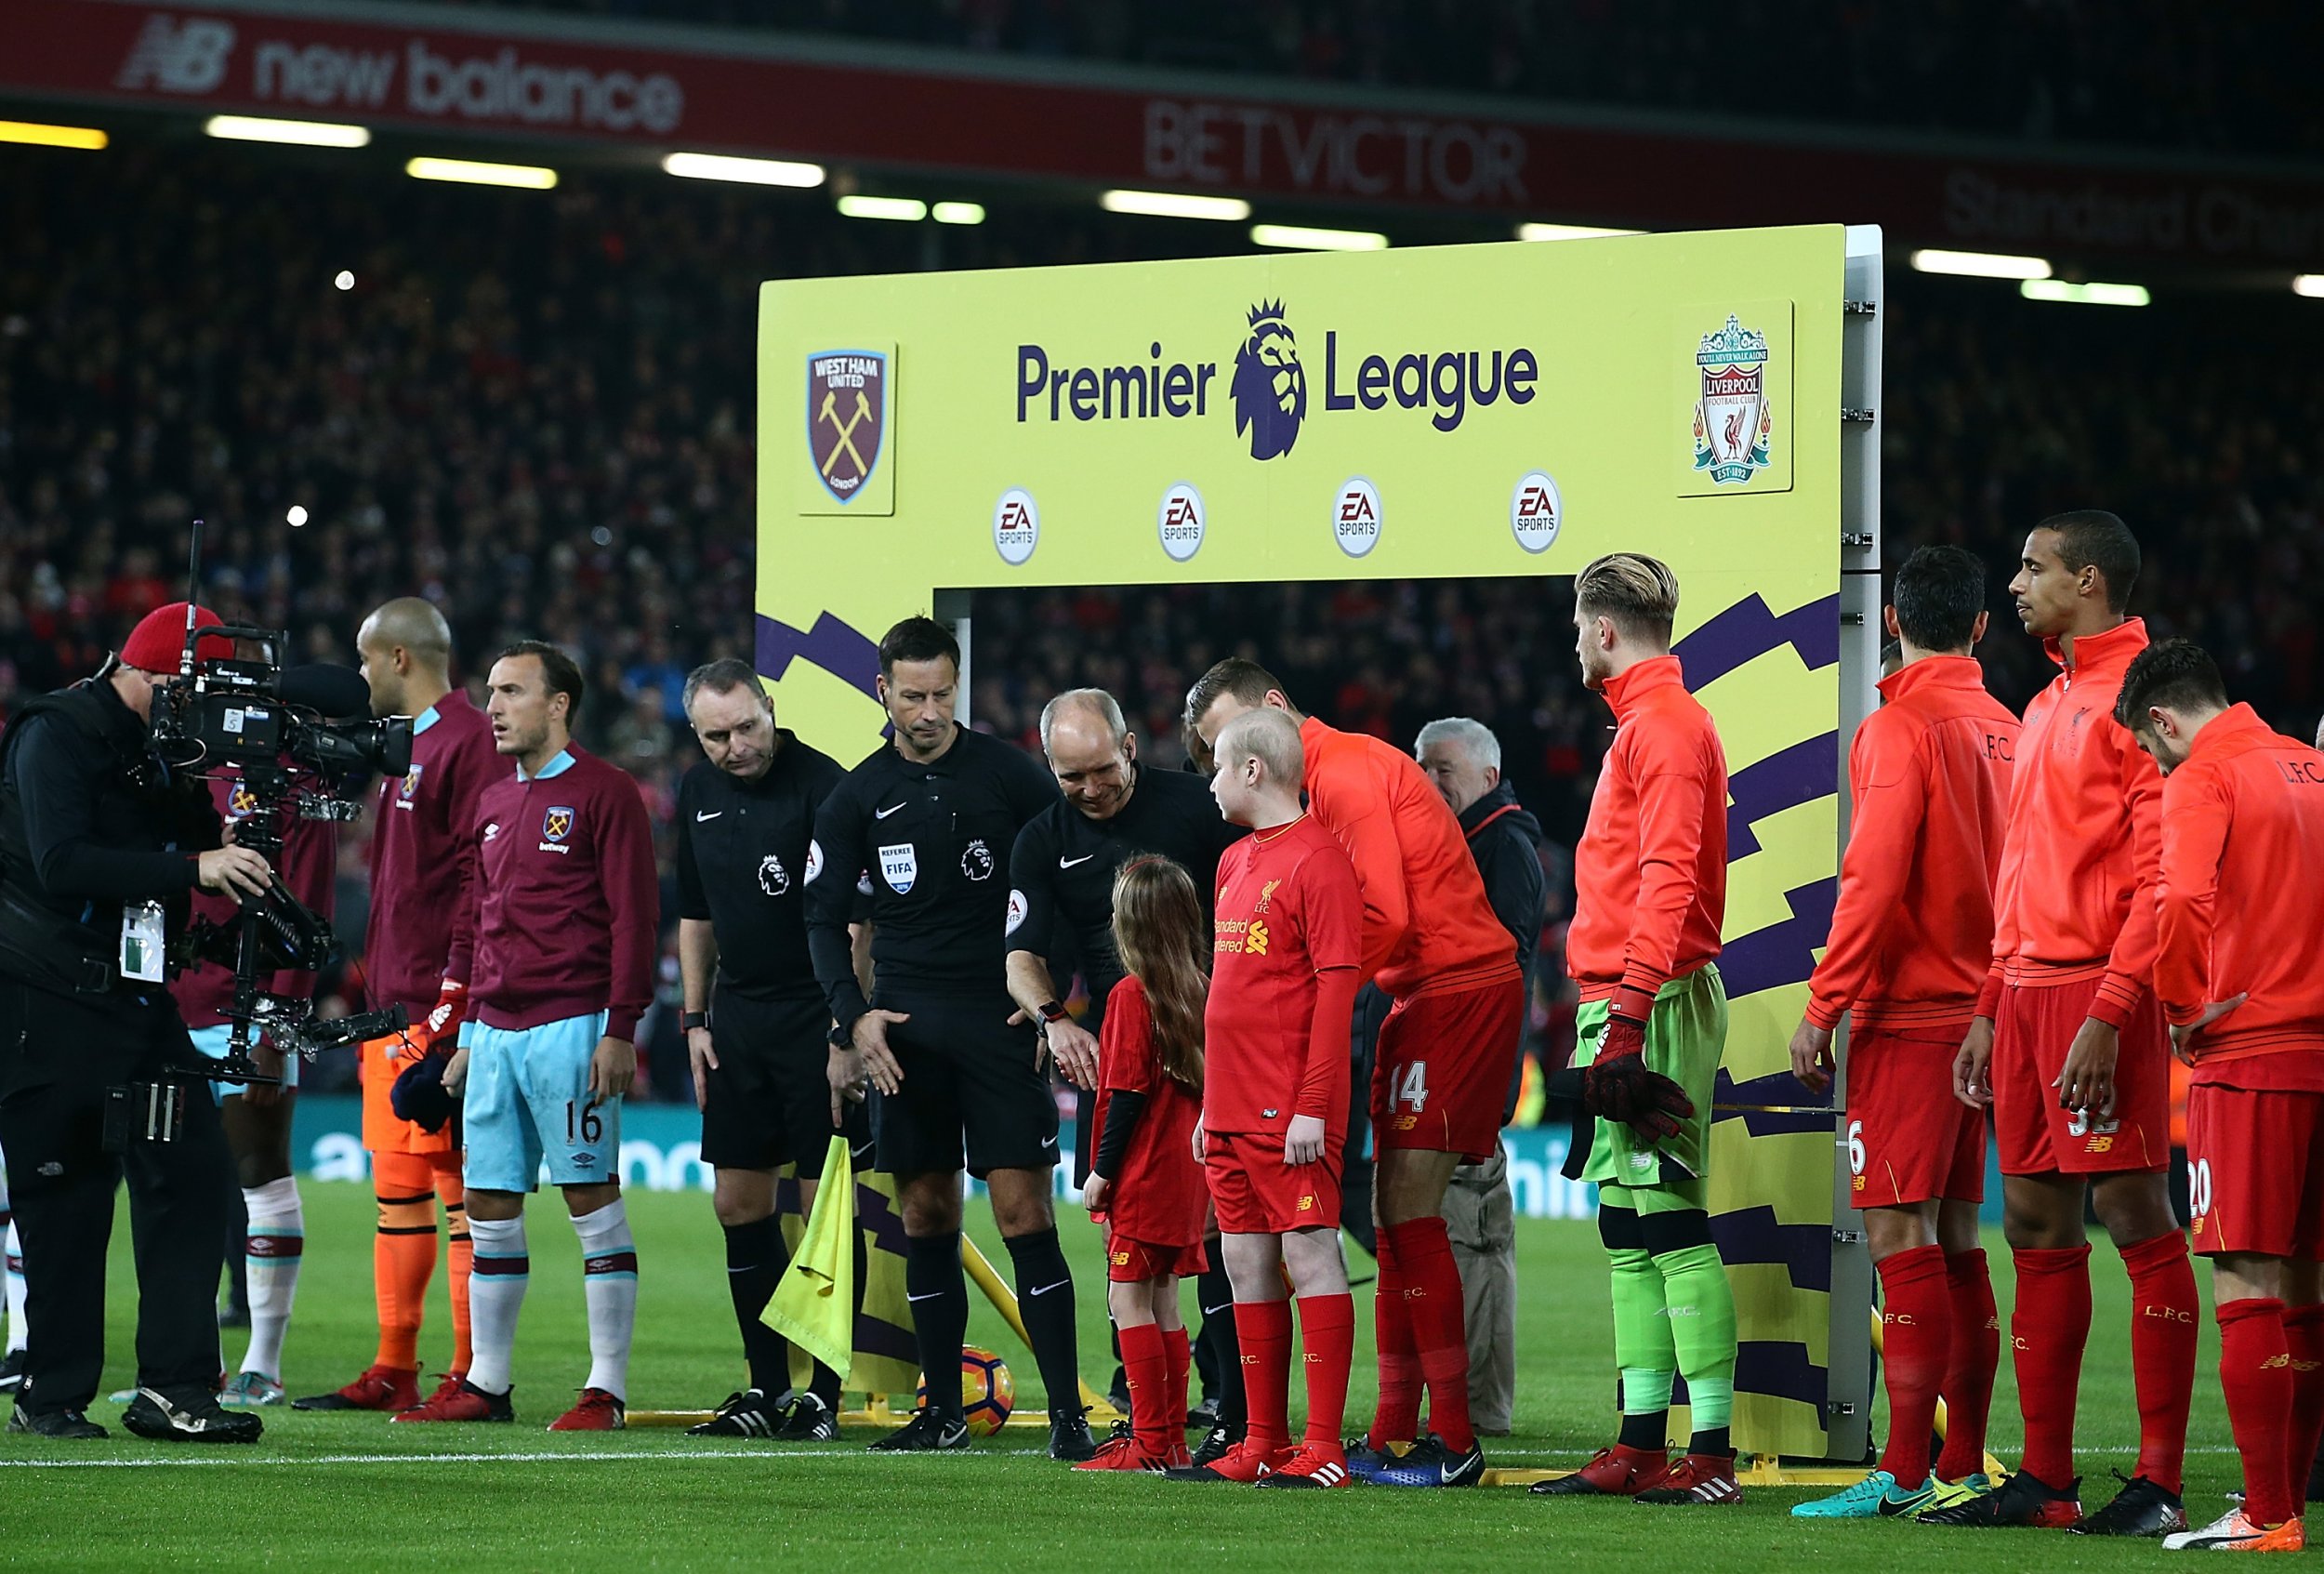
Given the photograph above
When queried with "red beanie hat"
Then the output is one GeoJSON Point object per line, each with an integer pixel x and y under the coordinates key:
{"type": "Point", "coordinates": [159, 641]}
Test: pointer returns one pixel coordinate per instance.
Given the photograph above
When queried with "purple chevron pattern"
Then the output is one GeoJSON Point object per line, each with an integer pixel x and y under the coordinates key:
{"type": "Point", "coordinates": [1748, 631]}
{"type": "Point", "coordinates": [1783, 952]}
{"type": "Point", "coordinates": [836, 646]}
{"type": "Point", "coordinates": [1781, 1088]}
{"type": "Point", "coordinates": [1786, 779]}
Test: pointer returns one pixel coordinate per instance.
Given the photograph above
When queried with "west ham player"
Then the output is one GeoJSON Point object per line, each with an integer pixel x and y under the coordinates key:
{"type": "Point", "coordinates": [929, 820]}
{"type": "Point", "coordinates": [566, 930]}
{"type": "Point", "coordinates": [258, 1116]}
{"type": "Point", "coordinates": [419, 949]}
{"type": "Point", "coordinates": [2067, 1046]}
{"type": "Point", "coordinates": [1145, 1185]}
{"type": "Point", "coordinates": [1062, 888]}
{"type": "Point", "coordinates": [1442, 1070]}
{"type": "Point", "coordinates": [745, 850]}
{"type": "Point", "coordinates": [1651, 888]}
{"type": "Point", "coordinates": [2243, 990]}
{"type": "Point", "coordinates": [1911, 941]}
{"type": "Point", "coordinates": [1284, 966]}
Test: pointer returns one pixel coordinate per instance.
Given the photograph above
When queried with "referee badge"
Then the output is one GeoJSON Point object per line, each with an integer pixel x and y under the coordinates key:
{"type": "Point", "coordinates": [899, 866]}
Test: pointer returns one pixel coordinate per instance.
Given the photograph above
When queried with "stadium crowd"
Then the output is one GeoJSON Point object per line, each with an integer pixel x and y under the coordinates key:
{"type": "Point", "coordinates": [537, 411]}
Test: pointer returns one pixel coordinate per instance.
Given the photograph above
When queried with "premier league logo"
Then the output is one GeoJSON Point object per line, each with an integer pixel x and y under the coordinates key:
{"type": "Point", "coordinates": [556, 823]}
{"type": "Point", "coordinates": [847, 412]}
{"type": "Point", "coordinates": [1270, 388]}
{"type": "Point", "coordinates": [774, 879]}
{"type": "Point", "coordinates": [976, 861]}
{"type": "Point", "coordinates": [1733, 417]}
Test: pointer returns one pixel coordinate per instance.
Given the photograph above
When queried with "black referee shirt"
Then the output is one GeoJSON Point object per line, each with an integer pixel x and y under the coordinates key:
{"type": "Point", "coordinates": [1061, 872]}
{"type": "Point", "coordinates": [746, 851]}
{"type": "Point", "coordinates": [931, 845]}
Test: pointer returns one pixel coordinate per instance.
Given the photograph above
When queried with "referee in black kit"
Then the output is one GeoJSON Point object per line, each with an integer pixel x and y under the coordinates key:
{"type": "Point", "coordinates": [1062, 885]}
{"type": "Point", "coordinates": [929, 821]}
{"type": "Point", "coordinates": [759, 1047]}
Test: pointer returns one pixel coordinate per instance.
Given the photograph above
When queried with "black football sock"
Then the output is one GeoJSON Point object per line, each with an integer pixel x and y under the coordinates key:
{"type": "Point", "coordinates": [825, 1383]}
{"type": "Point", "coordinates": [1044, 1299]}
{"type": "Point", "coordinates": [755, 1260]}
{"type": "Point", "coordinates": [938, 1292]}
{"type": "Point", "coordinates": [1217, 1329]}
{"type": "Point", "coordinates": [1710, 1441]}
{"type": "Point", "coordinates": [1649, 1431]}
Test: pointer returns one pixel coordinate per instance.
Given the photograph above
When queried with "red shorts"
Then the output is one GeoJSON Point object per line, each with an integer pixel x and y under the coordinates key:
{"type": "Point", "coordinates": [1257, 1194]}
{"type": "Point", "coordinates": [2036, 1026]}
{"type": "Point", "coordinates": [1440, 1079]}
{"type": "Point", "coordinates": [1135, 1261]}
{"type": "Point", "coordinates": [1909, 1140]}
{"type": "Point", "coordinates": [2255, 1170]}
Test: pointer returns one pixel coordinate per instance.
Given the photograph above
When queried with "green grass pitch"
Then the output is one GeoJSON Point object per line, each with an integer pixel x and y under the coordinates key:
{"type": "Point", "coordinates": [337, 1492]}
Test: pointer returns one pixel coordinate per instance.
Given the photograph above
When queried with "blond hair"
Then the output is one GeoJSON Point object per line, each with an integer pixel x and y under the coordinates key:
{"type": "Point", "coordinates": [1269, 737]}
{"type": "Point", "coordinates": [1638, 592]}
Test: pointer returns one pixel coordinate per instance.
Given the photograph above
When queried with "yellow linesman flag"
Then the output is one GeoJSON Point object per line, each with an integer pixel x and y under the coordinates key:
{"type": "Point", "coordinates": [814, 1305]}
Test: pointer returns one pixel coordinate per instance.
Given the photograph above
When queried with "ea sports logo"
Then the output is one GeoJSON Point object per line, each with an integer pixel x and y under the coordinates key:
{"type": "Point", "coordinates": [1535, 511]}
{"type": "Point", "coordinates": [1181, 520]}
{"type": "Point", "coordinates": [1355, 516]}
{"type": "Point", "coordinates": [1016, 526]}
{"type": "Point", "coordinates": [1270, 387]}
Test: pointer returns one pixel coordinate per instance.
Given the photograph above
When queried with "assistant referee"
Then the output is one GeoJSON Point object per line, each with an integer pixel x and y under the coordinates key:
{"type": "Point", "coordinates": [745, 851]}
{"type": "Point", "coordinates": [929, 821]}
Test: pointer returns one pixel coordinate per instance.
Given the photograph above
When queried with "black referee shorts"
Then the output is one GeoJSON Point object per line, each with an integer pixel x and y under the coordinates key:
{"type": "Point", "coordinates": [769, 1103]}
{"type": "Point", "coordinates": [970, 1098]}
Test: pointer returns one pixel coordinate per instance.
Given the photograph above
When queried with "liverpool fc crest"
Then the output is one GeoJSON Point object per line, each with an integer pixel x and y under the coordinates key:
{"type": "Point", "coordinates": [1733, 417]}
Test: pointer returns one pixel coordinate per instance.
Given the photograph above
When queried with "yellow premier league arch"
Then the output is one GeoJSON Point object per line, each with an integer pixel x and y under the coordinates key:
{"type": "Point", "coordinates": [1507, 410]}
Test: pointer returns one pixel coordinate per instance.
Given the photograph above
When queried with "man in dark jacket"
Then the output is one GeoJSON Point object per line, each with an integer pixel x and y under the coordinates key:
{"type": "Point", "coordinates": [1463, 759]}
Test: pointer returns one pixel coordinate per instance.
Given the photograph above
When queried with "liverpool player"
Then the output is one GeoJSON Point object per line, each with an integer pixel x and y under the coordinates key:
{"type": "Point", "coordinates": [1284, 966]}
{"type": "Point", "coordinates": [1650, 891]}
{"type": "Point", "coordinates": [2067, 1046]}
{"type": "Point", "coordinates": [746, 847]}
{"type": "Point", "coordinates": [566, 930]}
{"type": "Point", "coordinates": [417, 949]}
{"type": "Point", "coordinates": [1145, 1185]}
{"type": "Point", "coordinates": [2243, 815]}
{"type": "Point", "coordinates": [1911, 940]}
{"type": "Point", "coordinates": [1446, 1054]}
{"type": "Point", "coordinates": [258, 1116]}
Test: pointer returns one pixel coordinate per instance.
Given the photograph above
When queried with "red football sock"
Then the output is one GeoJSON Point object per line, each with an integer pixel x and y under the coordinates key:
{"type": "Point", "coordinates": [1145, 1359]}
{"type": "Point", "coordinates": [2164, 1306]}
{"type": "Point", "coordinates": [1917, 1336]}
{"type": "Point", "coordinates": [2048, 1329]}
{"type": "Point", "coordinates": [1327, 1340]}
{"type": "Point", "coordinates": [1969, 1368]}
{"type": "Point", "coordinates": [1432, 1303]}
{"type": "Point", "coordinates": [1178, 1352]}
{"type": "Point", "coordinates": [2303, 1333]}
{"type": "Point", "coordinates": [1397, 1416]}
{"type": "Point", "coordinates": [2255, 1370]}
{"type": "Point", "coordinates": [1263, 1329]}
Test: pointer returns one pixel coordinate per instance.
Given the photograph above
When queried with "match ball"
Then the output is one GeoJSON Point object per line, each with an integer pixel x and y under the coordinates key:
{"type": "Point", "coordinates": [987, 1392]}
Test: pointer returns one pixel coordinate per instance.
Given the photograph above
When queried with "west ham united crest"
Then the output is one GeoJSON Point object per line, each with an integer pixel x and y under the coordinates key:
{"type": "Point", "coordinates": [1734, 419]}
{"type": "Point", "coordinates": [847, 415]}
{"type": "Point", "coordinates": [556, 823]}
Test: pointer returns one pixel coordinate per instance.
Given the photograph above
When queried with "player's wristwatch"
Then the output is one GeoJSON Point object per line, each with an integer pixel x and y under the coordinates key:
{"type": "Point", "coordinates": [1052, 1010]}
{"type": "Point", "coordinates": [689, 1021]}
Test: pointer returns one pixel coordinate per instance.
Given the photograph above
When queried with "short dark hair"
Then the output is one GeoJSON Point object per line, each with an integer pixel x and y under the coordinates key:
{"type": "Point", "coordinates": [557, 670]}
{"type": "Point", "coordinates": [2174, 675]}
{"type": "Point", "coordinates": [918, 639]}
{"type": "Point", "coordinates": [2092, 537]}
{"type": "Point", "coordinates": [1246, 680]}
{"type": "Point", "coordinates": [723, 677]}
{"type": "Point", "coordinates": [1937, 596]}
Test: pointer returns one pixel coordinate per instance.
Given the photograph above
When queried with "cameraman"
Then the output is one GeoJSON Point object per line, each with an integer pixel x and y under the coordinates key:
{"type": "Point", "coordinates": [97, 863]}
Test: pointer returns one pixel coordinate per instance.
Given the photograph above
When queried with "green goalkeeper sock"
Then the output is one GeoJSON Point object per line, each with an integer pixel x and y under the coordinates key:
{"type": "Point", "coordinates": [1701, 1325]}
{"type": "Point", "coordinates": [1642, 1344]}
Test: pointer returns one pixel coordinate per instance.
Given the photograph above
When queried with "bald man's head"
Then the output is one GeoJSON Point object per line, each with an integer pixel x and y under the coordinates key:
{"type": "Point", "coordinates": [406, 647]}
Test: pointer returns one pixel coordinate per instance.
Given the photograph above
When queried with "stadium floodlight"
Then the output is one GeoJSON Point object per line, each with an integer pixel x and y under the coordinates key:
{"type": "Point", "coordinates": [745, 171]}
{"type": "Point", "coordinates": [957, 213]}
{"type": "Point", "coordinates": [1176, 204]}
{"type": "Point", "coordinates": [1301, 237]}
{"type": "Point", "coordinates": [2084, 295]}
{"type": "Point", "coordinates": [299, 133]}
{"type": "Point", "coordinates": [1568, 231]}
{"type": "Point", "coordinates": [2309, 284]}
{"type": "Point", "coordinates": [85, 138]}
{"type": "Point", "coordinates": [469, 172]}
{"type": "Point", "coordinates": [904, 210]}
{"type": "Point", "coordinates": [1981, 264]}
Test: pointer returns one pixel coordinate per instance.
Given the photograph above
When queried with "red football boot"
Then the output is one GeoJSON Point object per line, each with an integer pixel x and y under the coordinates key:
{"type": "Point", "coordinates": [1318, 1464]}
{"type": "Point", "coordinates": [597, 1412]}
{"type": "Point", "coordinates": [1698, 1478]}
{"type": "Point", "coordinates": [1618, 1471]}
{"type": "Point", "coordinates": [467, 1402]}
{"type": "Point", "coordinates": [380, 1388]}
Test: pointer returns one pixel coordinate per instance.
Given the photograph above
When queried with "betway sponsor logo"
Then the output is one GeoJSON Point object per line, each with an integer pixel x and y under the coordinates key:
{"type": "Point", "coordinates": [196, 54]}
